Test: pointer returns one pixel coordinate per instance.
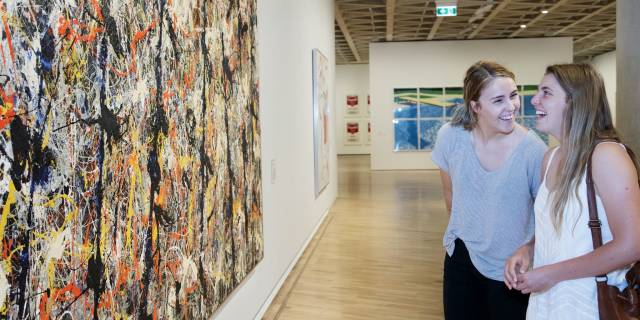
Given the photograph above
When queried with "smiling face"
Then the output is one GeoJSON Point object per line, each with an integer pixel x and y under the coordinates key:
{"type": "Point", "coordinates": [551, 104]}
{"type": "Point", "coordinates": [498, 105]}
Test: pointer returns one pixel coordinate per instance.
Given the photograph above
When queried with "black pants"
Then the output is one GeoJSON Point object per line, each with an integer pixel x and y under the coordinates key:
{"type": "Point", "coordinates": [470, 295]}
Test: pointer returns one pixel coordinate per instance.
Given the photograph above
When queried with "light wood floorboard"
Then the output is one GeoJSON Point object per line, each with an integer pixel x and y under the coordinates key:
{"type": "Point", "coordinates": [378, 255]}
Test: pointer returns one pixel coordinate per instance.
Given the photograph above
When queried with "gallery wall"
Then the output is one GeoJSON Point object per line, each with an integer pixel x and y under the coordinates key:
{"type": "Point", "coordinates": [442, 64]}
{"type": "Point", "coordinates": [606, 65]}
{"type": "Point", "coordinates": [352, 80]}
{"type": "Point", "coordinates": [288, 30]}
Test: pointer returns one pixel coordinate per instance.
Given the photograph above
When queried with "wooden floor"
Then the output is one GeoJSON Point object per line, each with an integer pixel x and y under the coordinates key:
{"type": "Point", "coordinates": [378, 255]}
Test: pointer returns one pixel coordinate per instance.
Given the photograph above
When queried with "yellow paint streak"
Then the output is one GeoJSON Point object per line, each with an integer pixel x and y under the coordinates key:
{"type": "Point", "coordinates": [237, 204]}
{"type": "Point", "coordinates": [47, 133]}
{"type": "Point", "coordinates": [7, 208]}
{"type": "Point", "coordinates": [105, 229]}
{"type": "Point", "coordinates": [184, 162]}
{"type": "Point", "coordinates": [154, 232]}
{"type": "Point", "coordinates": [51, 273]}
{"type": "Point", "coordinates": [133, 161]}
{"type": "Point", "coordinates": [208, 201]}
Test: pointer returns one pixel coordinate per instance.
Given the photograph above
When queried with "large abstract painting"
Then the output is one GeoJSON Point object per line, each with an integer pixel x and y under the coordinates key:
{"type": "Point", "coordinates": [320, 81]}
{"type": "Point", "coordinates": [130, 183]}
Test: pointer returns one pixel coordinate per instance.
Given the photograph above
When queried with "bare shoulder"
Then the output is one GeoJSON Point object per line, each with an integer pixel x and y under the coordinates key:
{"type": "Point", "coordinates": [612, 165]}
{"type": "Point", "coordinates": [611, 154]}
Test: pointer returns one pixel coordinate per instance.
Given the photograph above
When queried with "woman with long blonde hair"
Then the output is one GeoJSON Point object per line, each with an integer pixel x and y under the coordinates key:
{"type": "Point", "coordinates": [571, 105]}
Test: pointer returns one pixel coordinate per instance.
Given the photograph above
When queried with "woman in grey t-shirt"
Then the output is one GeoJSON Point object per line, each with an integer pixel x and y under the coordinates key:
{"type": "Point", "coordinates": [490, 170]}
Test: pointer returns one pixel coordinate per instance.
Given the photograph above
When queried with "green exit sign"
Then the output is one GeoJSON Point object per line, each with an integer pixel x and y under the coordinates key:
{"type": "Point", "coordinates": [446, 11]}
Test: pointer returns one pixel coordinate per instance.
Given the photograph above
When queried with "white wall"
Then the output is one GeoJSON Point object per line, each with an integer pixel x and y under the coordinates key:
{"type": "Point", "coordinates": [352, 80]}
{"type": "Point", "coordinates": [287, 32]}
{"type": "Point", "coordinates": [606, 65]}
{"type": "Point", "coordinates": [439, 64]}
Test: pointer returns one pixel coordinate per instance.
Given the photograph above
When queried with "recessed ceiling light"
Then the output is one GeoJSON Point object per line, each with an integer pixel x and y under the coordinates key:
{"type": "Point", "coordinates": [544, 11]}
{"type": "Point", "coordinates": [523, 26]}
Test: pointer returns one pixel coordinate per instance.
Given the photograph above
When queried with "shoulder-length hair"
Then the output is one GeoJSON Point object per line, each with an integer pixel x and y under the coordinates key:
{"type": "Point", "coordinates": [477, 78]}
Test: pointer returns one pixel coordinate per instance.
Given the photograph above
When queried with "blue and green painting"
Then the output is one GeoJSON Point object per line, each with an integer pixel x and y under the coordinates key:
{"type": "Point", "coordinates": [530, 123]}
{"type": "Point", "coordinates": [527, 92]}
{"type": "Point", "coordinates": [406, 101]}
{"type": "Point", "coordinates": [405, 135]}
{"type": "Point", "coordinates": [453, 99]}
{"type": "Point", "coordinates": [428, 132]}
{"type": "Point", "coordinates": [431, 102]}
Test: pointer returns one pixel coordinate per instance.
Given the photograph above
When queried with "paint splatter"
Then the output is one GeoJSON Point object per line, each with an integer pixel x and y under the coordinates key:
{"type": "Point", "coordinates": [130, 181]}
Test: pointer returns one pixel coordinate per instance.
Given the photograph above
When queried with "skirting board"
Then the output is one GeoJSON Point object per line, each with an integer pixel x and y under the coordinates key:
{"type": "Point", "coordinates": [285, 275]}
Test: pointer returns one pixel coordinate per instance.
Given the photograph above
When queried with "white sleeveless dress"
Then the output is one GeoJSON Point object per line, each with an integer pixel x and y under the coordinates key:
{"type": "Point", "coordinates": [572, 299]}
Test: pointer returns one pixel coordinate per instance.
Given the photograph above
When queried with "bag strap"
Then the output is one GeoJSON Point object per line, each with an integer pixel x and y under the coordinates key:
{"type": "Point", "coordinates": [594, 222]}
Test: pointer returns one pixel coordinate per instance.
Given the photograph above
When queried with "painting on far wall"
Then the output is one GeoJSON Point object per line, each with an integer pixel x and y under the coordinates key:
{"type": "Point", "coordinates": [321, 120]}
{"type": "Point", "coordinates": [528, 111]}
{"type": "Point", "coordinates": [352, 133]}
{"type": "Point", "coordinates": [453, 98]}
{"type": "Point", "coordinates": [352, 107]}
{"type": "Point", "coordinates": [419, 113]}
{"type": "Point", "coordinates": [130, 158]}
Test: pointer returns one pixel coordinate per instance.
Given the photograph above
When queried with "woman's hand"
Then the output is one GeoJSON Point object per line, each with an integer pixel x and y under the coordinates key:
{"type": "Point", "coordinates": [517, 264]}
{"type": "Point", "coordinates": [536, 280]}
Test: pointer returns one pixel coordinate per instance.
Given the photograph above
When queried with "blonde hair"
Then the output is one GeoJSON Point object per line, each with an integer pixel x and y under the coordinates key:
{"type": "Point", "coordinates": [476, 79]}
{"type": "Point", "coordinates": [587, 121]}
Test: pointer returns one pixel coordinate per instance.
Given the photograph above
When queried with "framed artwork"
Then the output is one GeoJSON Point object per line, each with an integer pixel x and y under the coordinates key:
{"type": "Point", "coordinates": [418, 114]}
{"type": "Point", "coordinates": [352, 108]}
{"type": "Point", "coordinates": [527, 92]}
{"type": "Point", "coordinates": [321, 120]}
{"type": "Point", "coordinates": [431, 103]}
{"type": "Point", "coordinates": [352, 133]}
{"type": "Point", "coordinates": [428, 132]}
{"type": "Point", "coordinates": [453, 98]}
{"type": "Point", "coordinates": [368, 142]}
{"type": "Point", "coordinates": [368, 104]}
{"type": "Point", "coordinates": [528, 117]}
{"type": "Point", "coordinates": [130, 169]}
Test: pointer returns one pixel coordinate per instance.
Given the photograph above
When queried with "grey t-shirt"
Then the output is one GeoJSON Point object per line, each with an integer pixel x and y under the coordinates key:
{"type": "Point", "coordinates": [491, 211]}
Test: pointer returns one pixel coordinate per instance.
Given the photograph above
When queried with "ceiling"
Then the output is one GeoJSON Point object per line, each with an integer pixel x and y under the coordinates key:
{"type": "Point", "coordinates": [591, 23]}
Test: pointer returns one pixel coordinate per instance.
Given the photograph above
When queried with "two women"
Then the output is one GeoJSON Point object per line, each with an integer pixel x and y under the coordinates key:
{"type": "Point", "coordinates": [490, 169]}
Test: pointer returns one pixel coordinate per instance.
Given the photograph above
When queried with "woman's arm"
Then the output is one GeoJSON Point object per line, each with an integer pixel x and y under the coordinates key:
{"type": "Point", "coordinates": [518, 263]}
{"type": "Point", "coordinates": [616, 182]}
{"type": "Point", "coordinates": [446, 189]}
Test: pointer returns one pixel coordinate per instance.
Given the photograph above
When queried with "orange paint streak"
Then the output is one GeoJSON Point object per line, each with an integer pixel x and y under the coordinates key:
{"type": "Point", "coordinates": [96, 7]}
{"type": "Point", "coordinates": [122, 276]}
{"type": "Point", "coordinates": [6, 248]}
{"type": "Point", "coordinates": [137, 37]}
{"type": "Point", "coordinates": [44, 309]}
{"type": "Point", "coordinates": [4, 60]}
{"type": "Point", "coordinates": [71, 288]}
{"type": "Point", "coordinates": [6, 115]}
{"type": "Point", "coordinates": [106, 300]}
{"type": "Point", "coordinates": [173, 267]}
{"type": "Point", "coordinates": [67, 31]}
{"type": "Point", "coordinates": [191, 289]}
{"type": "Point", "coordinates": [8, 35]}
